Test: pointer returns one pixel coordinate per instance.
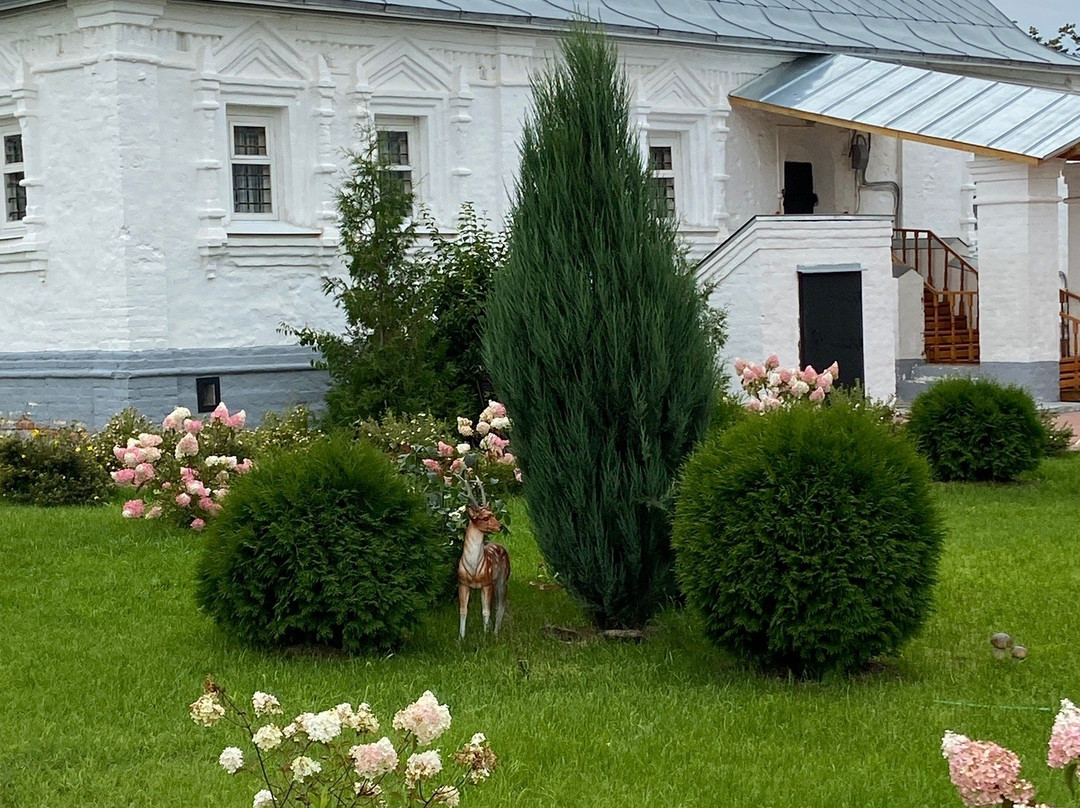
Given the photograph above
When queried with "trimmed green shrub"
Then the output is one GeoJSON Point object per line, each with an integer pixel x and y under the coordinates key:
{"type": "Point", "coordinates": [281, 431]}
{"type": "Point", "coordinates": [807, 540]}
{"type": "Point", "coordinates": [596, 343]}
{"type": "Point", "coordinates": [328, 545]}
{"type": "Point", "coordinates": [52, 467]}
{"type": "Point", "coordinates": [1057, 440]}
{"type": "Point", "coordinates": [727, 412]}
{"type": "Point", "coordinates": [977, 430]}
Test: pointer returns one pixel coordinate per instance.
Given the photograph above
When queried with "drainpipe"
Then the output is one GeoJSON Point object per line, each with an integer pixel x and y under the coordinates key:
{"type": "Point", "coordinates": [861, 181]}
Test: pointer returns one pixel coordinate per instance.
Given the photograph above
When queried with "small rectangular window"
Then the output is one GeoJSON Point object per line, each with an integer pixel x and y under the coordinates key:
{"type": "Point", "coordinates": [662, 168]}
{"type": "Point", "coordinates": [14, 192]}
{"type": "Point", "coordinates": [251, 160]}
{"type": "Point", "coordinates": [393, 146]}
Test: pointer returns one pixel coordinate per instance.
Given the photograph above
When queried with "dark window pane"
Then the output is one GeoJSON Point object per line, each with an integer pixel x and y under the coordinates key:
{"type": "Point", "coordinates": [14, 197]}
{"type": "Point", "coordinates": [251, 188]}
{"type": "Point", "coordinates": [403, 179]}
{"type": "Point", "coordinates": [660, 158]}
{"type": "Point", "coordinates": [13, 149]}
{"type": "Point", "coordinates": [394, 148]}
{"type": "Point", "coordinates": [665, 195]}
{"type": "Point", "coordinates": [249, 140]}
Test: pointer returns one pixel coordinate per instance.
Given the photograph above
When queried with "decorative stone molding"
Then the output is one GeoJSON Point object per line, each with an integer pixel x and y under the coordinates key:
{"type": "Point", "coordinates": [211, 238]}
{"type": "Point", "coordinates": [460, 102]}
{"type": "Point", "coordinates": [29, 253]}
{"type": "Point", "coordinates": [360, 95]}
{"type": "Point", "coordinates": [325, 166]}
{"type": "Point", "coordinates": [718, 135]}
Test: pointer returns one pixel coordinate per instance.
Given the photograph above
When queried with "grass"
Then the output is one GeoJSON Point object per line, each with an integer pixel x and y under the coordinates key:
{"type": "Point", "coordinates": [102, 649]}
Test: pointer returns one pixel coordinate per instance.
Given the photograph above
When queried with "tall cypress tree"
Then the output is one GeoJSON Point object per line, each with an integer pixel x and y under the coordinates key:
{"type": "Point", "coordinates": [595, 341]}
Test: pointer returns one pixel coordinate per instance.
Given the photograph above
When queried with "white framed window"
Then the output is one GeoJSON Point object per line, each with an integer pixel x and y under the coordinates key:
{"type": "Point", "coordinates": [13, 176]}
{"type": "Point", "coordinates": [398, 148]}
{"type": "Point", "coordinates": [663, 166]}
{"type": "Point", "coordinates": [255, 164]}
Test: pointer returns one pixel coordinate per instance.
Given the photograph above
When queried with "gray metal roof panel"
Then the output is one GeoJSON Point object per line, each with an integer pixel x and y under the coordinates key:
{"type": "Point", "coordinates": [922, 104]}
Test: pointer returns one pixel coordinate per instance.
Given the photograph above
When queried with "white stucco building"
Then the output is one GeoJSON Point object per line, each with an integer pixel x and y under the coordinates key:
{"type": "Point", "coordinates": [169, 167]}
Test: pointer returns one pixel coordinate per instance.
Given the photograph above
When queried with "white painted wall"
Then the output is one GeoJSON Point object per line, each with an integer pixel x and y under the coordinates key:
{"type": "Point", "coordinates": [756, 277]}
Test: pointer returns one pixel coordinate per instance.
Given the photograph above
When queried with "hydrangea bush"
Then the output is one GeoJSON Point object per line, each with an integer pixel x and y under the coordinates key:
{"type": "Point", "coordinates": [183, 471]}
{"type": "Point", "coordinates": [332, 758]}
{"type": "Point", "coordinates": [771, 386]}
{"type": "Point", "coordinates": [986, 774]}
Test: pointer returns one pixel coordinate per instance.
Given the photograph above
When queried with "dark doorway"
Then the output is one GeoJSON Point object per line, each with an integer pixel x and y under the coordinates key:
{"type": "Point", "coordinates": [831, 323]}
{"type": "Point", "coordinates": [799, 196]}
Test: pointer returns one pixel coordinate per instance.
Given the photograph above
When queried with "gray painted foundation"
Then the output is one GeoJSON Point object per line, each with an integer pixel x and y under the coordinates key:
{"type": "Point", "coordinates": [92, 386]}
{"type": "Point", "coordinates": [1040, 379]}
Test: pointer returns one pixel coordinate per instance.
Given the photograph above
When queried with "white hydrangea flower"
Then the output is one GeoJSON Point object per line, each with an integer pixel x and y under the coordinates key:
{"type": "Point", "coordinates": [422, 766]}
{"type": "Point", "coordinates": [446, 795]}
{"type": "Point", "coordinates": [206, 711]}
{"type": "Point", "coordinates": [324, 727]}
{"type": "Point", "coordinates": [425, 718]}
{"type": "Point", "coordinates": [263, 799]}
{"type": "Point", "coordinates": [303, 767]}
{"type": "Point", "coordinates": [500, 423]}
{"type": "Point", "coordinates": [267, 738]}
{"type": "Point", "coordinates": [361, 719]}
{"type": "Point", "coordinates": [265, 704]}
{"type": "Point", "coordinates": [231, 759]}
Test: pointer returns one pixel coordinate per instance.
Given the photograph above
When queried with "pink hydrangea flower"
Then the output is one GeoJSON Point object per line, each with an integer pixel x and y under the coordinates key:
{"type": "Point", "coordinates": [498, 410]}
{"type": "Point", "coordinates": [754, 405]}
{"type": "Point", "coordinates": [149, 440]}
{"type": "Point", "coordinates": [809, 375]}
{"type": "Point", "coordinates": [740, 366]}
{"type": "Point", "coordinates": [124, 476]}
{"type": "Point", "coordinates": [1065, 737]}
{"type": "Point", "coordinates": [244, 465]}
{"type": "Point", "coordinates": [772, 362]}
{"type": "Point", "coordinates": [445, 450]}
{"type": "Point", "coordinates": [373, 759]}
{"type": "Point", "coordinates": [432, 465]}
{"type": "Point", "coordinates": [507, 458]}
{"type": "Point", "coordinates": [187, 446]}
{"type": "Point", "coordinates": [984, 773]}
{"type": "Point", "coordinates": [220, 413]}
{"type": "Point", "coordinates": [133, 509]}
{"type": "Point", "coordinates": [425, 718]}
{"type": "Point", "coordinates": [197, 524]}
{"type": "Point", "coordinates": [193, 426]}
{"type": "Point", "coordinates": [154, 512]}
{"type": "Point", "coordinates": [238, 420]}
{"type": "Point", "coordinates": [833, 369]}
{"type": "Point", "coordinates": [143, 472]}
{"type": "Point", "coordinates": [183, 500]}
{"type": "Point", "coordinates": [818, 395]}
{"type": "Point", "coordinates": [187, 474]}
{"type": "Point", "coordinates": [457, 465]}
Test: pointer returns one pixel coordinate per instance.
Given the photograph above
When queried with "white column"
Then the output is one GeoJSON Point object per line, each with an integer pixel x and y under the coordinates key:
{"type": "Point", "coordinates": [1072, 201]}
{"type": "Point", "coordinates": [1019, 243]}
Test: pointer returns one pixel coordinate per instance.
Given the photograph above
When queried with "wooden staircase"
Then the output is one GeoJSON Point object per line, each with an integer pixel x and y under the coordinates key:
{"type": "Point", "coordinates": [1069, 366]}
{"type": "Point", "coordinates": [950, 296]}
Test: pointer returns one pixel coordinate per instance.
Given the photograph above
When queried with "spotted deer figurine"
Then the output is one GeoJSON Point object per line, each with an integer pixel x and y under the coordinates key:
{"type": "Point", "coordinates": [484, 565]}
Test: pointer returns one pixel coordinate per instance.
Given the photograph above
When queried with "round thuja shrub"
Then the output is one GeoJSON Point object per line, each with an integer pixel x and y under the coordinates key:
{"type": "Point", "coordinates": [807, 540]}
{"type": "Point", "coordinates": [977, 430]}
{"type": "Point", "coordinates": [328, 545]}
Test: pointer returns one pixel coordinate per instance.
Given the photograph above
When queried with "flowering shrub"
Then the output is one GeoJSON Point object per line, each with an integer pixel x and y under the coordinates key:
{"type": "Point", "coordinates": [771, 386]}
{"type": "Point", "coordinates": [50, 467]}
{"type": "Point", "coordinates": [182, 472]}
{"type": "Point", "coordinates": [326, 758]}
{"type": "Point", "coordinates": [986, 774]}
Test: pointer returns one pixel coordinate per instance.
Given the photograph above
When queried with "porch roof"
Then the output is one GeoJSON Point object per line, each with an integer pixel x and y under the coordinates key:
{"type": "Point", "coordinates": [996, 118]}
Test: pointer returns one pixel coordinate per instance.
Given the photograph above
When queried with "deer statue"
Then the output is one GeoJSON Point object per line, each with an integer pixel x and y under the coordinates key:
{"type": "Point", "coordinates": [484, 565]}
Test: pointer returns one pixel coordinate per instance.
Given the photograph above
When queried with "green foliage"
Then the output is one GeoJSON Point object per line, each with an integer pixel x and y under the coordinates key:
{"type": "Point", "coordinates": [880, 412]}
{"type": "Point", "coordinates": [413, 315]}
{"type": "Point", "coordinates": [128, 423]}
{"type": "Point", "coordinates": [461, 273]}
{"type": "Point", "coordinates": [277, 431]}
{"type": "Point", "coordinates": [727, 412]}
{"type": "Point", "coordinates": [1057, 440]}
{"type": "Point", "coordinates": [400, 434]}
{"type": "Point", "coordinates": [977, 430]}
{"type": "Point", "coordinates": [326, 544]}
{"type": "Point", "coordinates": [595, 340]}
{"type": "Point", "coordinates": [51, 467]}
{"type": "Point", "coordinates": [807, 539]}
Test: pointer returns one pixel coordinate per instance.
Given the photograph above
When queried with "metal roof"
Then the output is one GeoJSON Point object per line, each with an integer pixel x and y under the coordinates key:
{"type": "Point", "coordinates": [949, 30]}
{"type": "Point", "coordinates": [980, 115]}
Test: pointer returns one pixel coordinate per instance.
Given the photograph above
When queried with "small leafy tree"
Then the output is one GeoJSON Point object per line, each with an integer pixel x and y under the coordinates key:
{"type": "Point", "coordinates": [596, 342]}
{"type": "Point", "coordinates": [462, 270]}
{"type": "Point", "coordinates": [413, 314]}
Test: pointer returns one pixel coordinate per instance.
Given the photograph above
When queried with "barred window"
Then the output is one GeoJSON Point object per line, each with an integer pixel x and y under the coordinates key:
{"type": "Point", "coordinates": [14, 192]}
{"type": "Point", "coordinates": [662, 167]}
{"type": "Point", "coordinates": [251, 160]}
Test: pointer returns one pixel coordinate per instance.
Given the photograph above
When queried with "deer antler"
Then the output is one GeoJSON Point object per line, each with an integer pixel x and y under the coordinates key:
{"type": "Point", "coordinates": [469, 489]}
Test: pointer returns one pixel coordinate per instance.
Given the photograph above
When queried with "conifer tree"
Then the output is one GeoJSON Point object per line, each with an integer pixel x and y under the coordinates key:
{"type": "Point", "coordinates": [595, 341]}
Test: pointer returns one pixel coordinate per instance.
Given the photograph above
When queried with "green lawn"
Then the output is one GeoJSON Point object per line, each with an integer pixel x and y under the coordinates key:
{"type": "Point", "coordinates": [102, 649]}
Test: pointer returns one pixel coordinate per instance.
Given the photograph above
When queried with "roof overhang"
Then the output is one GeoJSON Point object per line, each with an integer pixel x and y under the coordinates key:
{"type": "Point", "coordinates": [994, 118]}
